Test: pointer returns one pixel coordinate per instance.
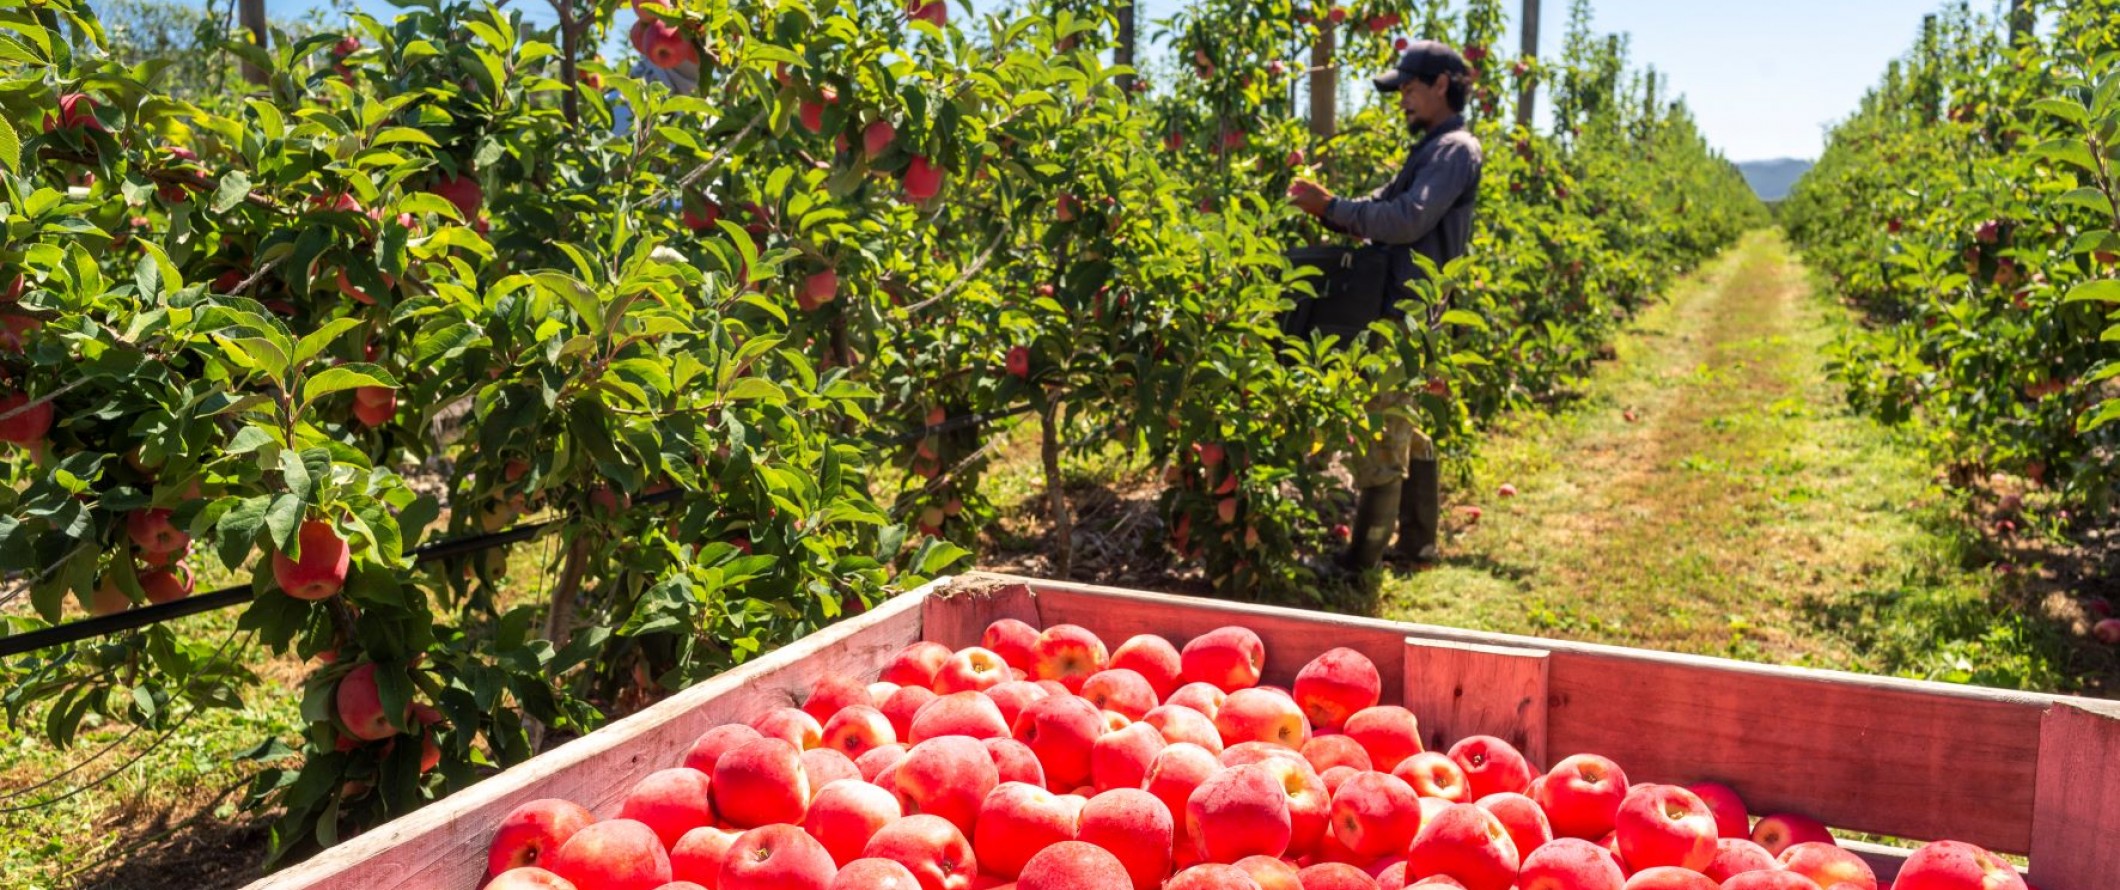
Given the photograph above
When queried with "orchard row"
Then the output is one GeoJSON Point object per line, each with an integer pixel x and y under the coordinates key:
{"type": "Point", "coordinates": [235, 322]}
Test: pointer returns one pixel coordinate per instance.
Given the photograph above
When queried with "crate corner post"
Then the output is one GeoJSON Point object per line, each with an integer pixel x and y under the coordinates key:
{"type": "Point", "coordinates": [2076, 809]}
{"type": "Point", "coordinates": [1461, 689]}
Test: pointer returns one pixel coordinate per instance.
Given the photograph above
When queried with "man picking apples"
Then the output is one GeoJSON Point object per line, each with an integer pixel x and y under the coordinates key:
{"type": "Point", "coordinates": [1425, 209]}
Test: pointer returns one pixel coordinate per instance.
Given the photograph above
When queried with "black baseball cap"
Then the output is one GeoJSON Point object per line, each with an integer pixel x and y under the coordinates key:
{"type": "Point", "coordinates": [1422, 60]}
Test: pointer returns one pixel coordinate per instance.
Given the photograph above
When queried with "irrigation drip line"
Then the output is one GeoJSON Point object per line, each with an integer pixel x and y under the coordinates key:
{"type": "Point", "coordinates": [136, 618]}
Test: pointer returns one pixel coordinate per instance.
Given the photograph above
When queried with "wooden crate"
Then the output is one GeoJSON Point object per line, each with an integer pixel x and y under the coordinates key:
{"type": "Point", "coordinates": [2021, 773]}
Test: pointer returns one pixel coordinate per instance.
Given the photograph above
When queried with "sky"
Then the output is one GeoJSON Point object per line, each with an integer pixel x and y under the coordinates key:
{"type": "Point", "coordinates": [1765, 79]}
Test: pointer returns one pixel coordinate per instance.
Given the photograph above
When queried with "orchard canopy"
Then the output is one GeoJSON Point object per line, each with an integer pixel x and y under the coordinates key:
{"type": "Point", "coordinates": [278, 314]}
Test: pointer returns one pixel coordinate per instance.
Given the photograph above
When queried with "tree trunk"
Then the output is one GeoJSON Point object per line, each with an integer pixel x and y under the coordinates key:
{"type": "Point", "coordinates": [2022, 19]}
{"type": "Point", "coordinates": [1056, 492]}
{"type": "Point", "coordinates": [559, 619]}
{"type": "Point", "coordinates": [1324, 86]}
{"type": "Point", "coordinates": [252, 15]}
{"type": "Point", "coordinates": [1123, 54]}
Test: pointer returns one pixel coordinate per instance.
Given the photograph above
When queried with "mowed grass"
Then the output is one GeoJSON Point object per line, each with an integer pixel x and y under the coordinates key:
{"type": "Point", "coordinates": [1741, 511]}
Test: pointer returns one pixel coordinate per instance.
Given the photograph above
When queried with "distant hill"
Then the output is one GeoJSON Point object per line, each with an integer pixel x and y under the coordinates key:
{"type": "Point", "coordinates": [1772, 179]}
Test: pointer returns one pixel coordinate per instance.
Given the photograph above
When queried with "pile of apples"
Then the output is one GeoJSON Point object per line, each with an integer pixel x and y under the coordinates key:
{"type": "Point", "coordinates": [1040, 760]}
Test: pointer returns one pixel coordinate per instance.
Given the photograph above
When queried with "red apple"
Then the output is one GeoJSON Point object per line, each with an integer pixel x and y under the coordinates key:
{"type": "Point", "coordinates": [1015, 821]}
{"type": "Point", "coordinates": [759, 783]}
{"type": "Point", "coordinates": [319, 570]}
{"type": "Point", "coordinates": [1955, 865]}
{"type": "Point", "coordinates": [1375, 814]}
{"type": "Point", "coordinates": [1121, 690]}
{"type": "Point", "coordinates": [935, 12]}
{"type": "Point", "coordinates": [846, 814]}
{"type": "Point", "coordinates": [1061, 730]}
{"type": "Point", "coordinates": [1735, 856]}
{"type": "Point", "coordinates": [823, 766]}
{"type": "Point", "coordinates": [1781, 831]}
{"type": "Point", "coordinates": [166, 585]}
{"type": "Point", "coordinates": [971, 669]}
{"type": "Point", "coordinates": [670, 802]}
{"type": "Point", "coordinates": [1491, 766]}
{"type": "Point", "coordinates": [360, 705]}
{"type": "Point", "coordinates": [916, 664]}
{"type": "Point", "coordinates": [1522, 817]}
{"type": "Point", "coordinates": [946, 777]}
{"type": "Point", "coordinates": [1203, 697]}
{"type": "Point", "coordinates": [151, 530]}
{"type": "Point", "coordinates": [1731, 818]}
{"type": "Point", "coordinates": [2107, 631]}
{"type": "Point", "coordinates": [1069, 654]}
{"type": "Point", "coordinates": [856, 729]}
{"type": "Point", "coordinates": [1238, 812]}
{"type": "Point", "coordinates": [715, 742]}
{"type": "Point", "coordinates": [1212, 876]}
{"type": "Point", "coordinates": [874, 761]}
{"type": "Point", "coordinates": [875, 138]}
{"type": "Point", "coordinates": [1336, 684]}
{"type": "Point", "coordinates": [1669, 877]}
{"type": "Point", "coordinates": [1121, 759]}
{"type": "Point", "coordinates": [1271, 873]}
{"type": "Point", "coordinates": [1335, 876]}
{"type": "Point", "coordinates": [374, 406]}
{"type": "Point", "coordinates": [1013, 640]}
{"type": "Point", "coordinates": [1073, 865]}
{"type": "Point", "coordinates": [619, 854]}
{"type": "Point", "coordinates": [1012, 696]}
{"type": "Point", "coordinates": [1468, 843]}
{"type": "Point", "coordinates": [904, 705]}
{"type": "Point", "coordinates": [922, 180]}
{"type": "Point", "coordinates": [934, 850]}
{"type": "Point", "coordinates": [832, 693]}
{"type": "Point", "coordinates": [31, 426]}
{"type": "Point", "coordinates": [1388, 732]}
{"type": "Point", "coordinates": [777, 857]}
{"type": "Point", "coordinates": [1433, 774]}
{"type": "Point", "coordinates": [662, 44]}
{"type": "Point", "coordinates": [1581, 794]}
{"type": "Point", "coordinates": [698, 855]}
{"type": "Point", "coordinates": [528, 878]}
{"type": "Point", "coordinates": [76, 111]}
{"type": "Point", "coordinates": [530, 832]}
{"type": "Point", "coordinates": [1229, 658]}
{"type": "Point", "coordinates": [1664, 825]}
{"type": "Point", "coordinates": [1136, 827]}
{"type": "Point", "coordinates": [1828, 864]}
{"type": "Point", "coordinates": [958, 714]}
{"type": "Point", "coordinates": [874, 874]}
{"type": "Point", "coordinates": [1178, 723]}
{"type": "Point", "coordinates": [1014, 761]}
{"type": "Point", "coordinates": [1177, 770]}
{"type": "Point", "coordinates": [1262, 715]}
{"type": "Point", "coordinates": [1770, 880]}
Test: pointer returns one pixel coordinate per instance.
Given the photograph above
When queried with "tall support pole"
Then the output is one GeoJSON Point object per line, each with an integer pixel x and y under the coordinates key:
{"type": "Point", "coordinates": [2022, 18]}
{"type": "Point", "coordinates": [252, 14]}
{"type": "Point", "coordinates": [1324, 85]}
{"type": "Point", "coordinates": [1527, 95]}
{"type": "Point", "coordinates": [1123, 54]}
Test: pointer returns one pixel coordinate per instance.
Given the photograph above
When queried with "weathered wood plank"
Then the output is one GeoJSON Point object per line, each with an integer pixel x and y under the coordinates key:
{"type": "Point", "coordinates": [443, 847]}
{"type": "Point", "coordinates": [1466, 689]}
{"type": "Point", "coordinates": [958, 613]}
{"type": "Point", "coordinates": [2076, 810]}
{"type": "Point", "coordinates": [1292, 637]}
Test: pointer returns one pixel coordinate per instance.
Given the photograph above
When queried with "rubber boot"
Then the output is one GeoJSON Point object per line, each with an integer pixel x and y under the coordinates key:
{"type": "Point", "coordinates": [1420, 510]}
{"type": "Point", "coordinates": [1374, 515]}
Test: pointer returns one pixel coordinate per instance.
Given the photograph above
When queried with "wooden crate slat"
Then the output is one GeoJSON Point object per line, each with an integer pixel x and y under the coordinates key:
{"type": "Point", "coordinates": [443, 847]}
{"type": "Point", "coordinates": [959, 611]}
{"type": "Point", "coordinates": [1858, 756]}
{"type": "Point", "coordinates": [1292, 637]}
{"type": "Point", "coordinates": [2076, 815]}
{"type": "Point", "coordinates": [1464, 689]}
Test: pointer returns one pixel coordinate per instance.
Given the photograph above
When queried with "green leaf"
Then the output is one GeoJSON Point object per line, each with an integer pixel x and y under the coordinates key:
{"type": "Point", "coordinates": [2103, 290]}
{"type": "Point", "coordinates": [315, 342]}
{"type": "Point", "coordinates": [238, 529]}
{"type": "Point", "coordinates": [1466, 318]}
{"type": "Point", "coordinates": [2088, 198]}
{"type": "Point", "coordinates": [756, 388]}
{"type": "Point", "coordinates": [10, 147]}
{"type": "Point", "coordinates": [396, 135]}
{"type": "Point", "coordinates": [2064, 109]}
{"type": "Point", "coordinates": [353, 375]}
{"type": "Point", "coordinates": [577, 295]}
{"type": "Point", "coordinates": [283, 520]}
{"type": "Point", "coordinates": [296, 475]}
{"type": "Point", "coordinates": [233, 190]}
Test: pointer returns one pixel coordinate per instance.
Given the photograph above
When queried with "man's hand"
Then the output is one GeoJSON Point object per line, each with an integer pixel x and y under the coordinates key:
{"type": "Point", "coordinates": [1309, 196]}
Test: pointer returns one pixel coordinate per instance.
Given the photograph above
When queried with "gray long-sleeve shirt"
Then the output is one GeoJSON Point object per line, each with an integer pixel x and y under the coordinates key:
{"type": "Point", "coordinates": [1427, 206]}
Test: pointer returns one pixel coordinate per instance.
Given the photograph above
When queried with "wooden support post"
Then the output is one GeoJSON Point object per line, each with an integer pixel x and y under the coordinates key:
{"type": "Point", "coordinates": [1466, 689]}
{"type": "Point", "coordinates": [1527, 94]}
{"type": "Point", "coordinates": [2022, 19]}
{"type": "Point", "coordinates": [2076, 809]}
{"type": "Point", "coordinates": [1123, 54]}
{"type": "Point", "coordinates": [252, 15]}
{"type": "Point", "coordinates": [1324, 86]}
